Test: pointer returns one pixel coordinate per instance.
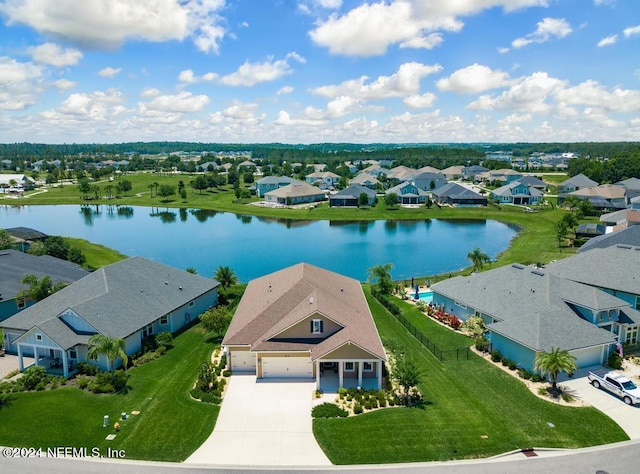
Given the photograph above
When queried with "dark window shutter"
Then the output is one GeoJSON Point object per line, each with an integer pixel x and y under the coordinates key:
{"type": "Point", "coordinates": [311, 328]}
{"type": "Point", "coordinates": [321, 325]}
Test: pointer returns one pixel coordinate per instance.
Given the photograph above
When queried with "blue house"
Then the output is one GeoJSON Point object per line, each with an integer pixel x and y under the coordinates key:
{"type": "Point", "coordinates": [408, 193]}
{"type": "Point", "coordinates": [566, 305]}
{"type": "Point", "coordinates": [516, 193]}
{"type": "Point", "coordinates": [131, 300]}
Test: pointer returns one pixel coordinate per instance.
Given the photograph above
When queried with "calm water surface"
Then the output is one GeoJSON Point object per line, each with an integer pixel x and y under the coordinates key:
{"type": "Point", "coordinates": [254, 246]}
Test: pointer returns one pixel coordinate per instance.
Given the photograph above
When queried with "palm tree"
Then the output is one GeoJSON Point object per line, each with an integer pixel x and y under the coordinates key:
{"type": "Point", "coordinates": [381, 274]}
{"type": "Point", "coordinates": [478, 258]}
{"type": "Point", "coordinates": [553, 363]}
{"type": "Point", "coordinates": [226, 276]}
{"type": "Point", "coordinates": [110, 347]}
{"type": "Point", "coordinates": [39, 288]}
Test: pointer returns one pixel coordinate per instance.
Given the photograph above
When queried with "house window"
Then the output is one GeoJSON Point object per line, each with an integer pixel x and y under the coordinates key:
{"type": "Point", "coordinates": [316, 326]}
{"type": "Point", "coordinates": [632, 335]}
{"type": "Point", "coordinates": [38, 337]}
{"type": "Point", "coordinates": [21, 302]}
{"type": "Point", "coordinates": [73, 354]}
{"type": "Point", "coordinates": [190, 304]}
{"type": "Point", "coordinates": [164, 319]}
{"type": "Point", "coordinates": [147, 330]}
{"type": "Point", "coordinates": [349, 367]}
{"type": "Point", "coordinates": [367, 367]}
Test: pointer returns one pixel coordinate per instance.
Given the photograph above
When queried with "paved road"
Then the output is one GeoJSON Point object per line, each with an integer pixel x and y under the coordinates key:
{"type": "Point", "coordinates": [620, 458]}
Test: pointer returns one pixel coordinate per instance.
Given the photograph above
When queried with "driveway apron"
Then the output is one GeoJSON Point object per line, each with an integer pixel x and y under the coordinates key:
{"type": "Point", "coordinates": [265, 423]}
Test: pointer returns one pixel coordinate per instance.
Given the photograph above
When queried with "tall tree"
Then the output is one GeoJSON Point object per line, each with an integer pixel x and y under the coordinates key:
{"type": "Point", "coordinates": [39, 288]}
{"type": "Point", "coordinates": [111, 347]}
{"type": "Point", "coordinates": [478, 258]}
{"type": "Point", "coordinates": [554, 363]}
{"type": "Point", "coordinates": [381, 275]}
{"type": "Point", "coordinates": [407, 374]}
{"type": "Point", "coordinates": [226, 276]}
{"type": "Point", "coordinates": [216, 320]}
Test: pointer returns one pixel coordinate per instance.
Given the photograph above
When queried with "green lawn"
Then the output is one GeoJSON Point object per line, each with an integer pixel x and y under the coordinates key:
{"type": "Point", "coordinates": [170, 425]}
{"type": "Point", "coordinates": [97, 255]}
{"type": "Point", "coordinates": [536, 241]}
{"type": "Point", "coordinates": [465, 401]}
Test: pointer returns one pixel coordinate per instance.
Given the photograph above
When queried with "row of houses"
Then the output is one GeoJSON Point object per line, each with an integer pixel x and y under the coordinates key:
{"type": "Point", "coordinates": [602, 197]}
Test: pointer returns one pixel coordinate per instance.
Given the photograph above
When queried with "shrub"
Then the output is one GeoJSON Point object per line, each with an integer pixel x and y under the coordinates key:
{"type": "Point", "coordinates": [164, 339]}
{"type": "Point", "coordinates": [512, 365]}
{"type": "Point", "coordinates": [349, 398]}
{"type": "Point", "coordinates": [614, 360]}
{"type": "Point", "coordinates": [342, 392]}
{"type": "Point", "coordinates": [505, 361]}
{"type": "Point", "coordinates": [357, 409]}
{"type": "Point", "coordinates": [33, 377]}
{"type": "Point", "coordinates": [542, 390]}
{"type": "Point", "coordinates": [226, 373]}
{"type": "Point", "coordinates": [84, 368]}
{"type": "Point", "coordinates": [536, 378]}
{"type": "Point", "coordinates": [524, 373]}
{"type": "Point", "coordinates": [566, 397]}
{"type": "Point", "coordinates": [392, 402]}
{"type": "Point", "coordinates": [83, 382]}
{"type": "Point", "coordinates": [96, 387]}
{"type": "Point", "coordinates": [211, 398]}
{"type": "Point", "coordinates": [328, 410]}
{"type": "Point", "coordinates": [482, 344]}
{"type": "Point", "coordinates": [496, 356]}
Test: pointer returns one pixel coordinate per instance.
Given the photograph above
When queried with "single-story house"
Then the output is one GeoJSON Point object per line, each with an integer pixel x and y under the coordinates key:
{"type": "Point", "coordinates": [516, 193]}
{"type": "Point", "coordinates": [270, 183]}
{"type": "Point", "coordinates": [376, 170]}
{"type": "Point", "coordinates": [295, 193]}
{"type": "Point", "coordinates": [505, 174]}
{"type": "Point", "coordinates": [324, 179]}
{"type": "Point", "coordinates": [306, 322]}
{"type": "Point", "coordinates": [14, 265]}
{"type": "Point", "coordinates": [366, 180]}
{"type": "Point", "coordinates": [429, 181]}
{"type": "Point", "coordinates": [18, 181]}
{"type": "Point", "coordinates": [575, 183]}
{"type": "Point", "coordinates": [349, 197]}
{"type": "Point", "coordinates": [470, 172]}
{"type": "Point", "coordinates": [628, 236]}
{"type": "Point", "coordinates": [131, 300]}
{"type": "Point", "coordinates": [408, 193]}
{"type": "Point", "coordinates": [603, 197]}
{"type": "Point", "coordinates": [453, 172]}
{"type": "Point", "coordinates": [529, 310]}
{"type": "Point", "coordinates": [456, 195]}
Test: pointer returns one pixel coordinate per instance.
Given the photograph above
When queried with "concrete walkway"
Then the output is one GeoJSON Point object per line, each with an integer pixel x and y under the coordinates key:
{"type": "Point", "coordinates": [263, 424]}
{"type": "Point", "coordinates": [9, 363]}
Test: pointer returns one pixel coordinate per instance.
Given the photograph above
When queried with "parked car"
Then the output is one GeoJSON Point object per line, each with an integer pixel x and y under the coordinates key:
{"type": "Point", "coordinates": [617, 384]}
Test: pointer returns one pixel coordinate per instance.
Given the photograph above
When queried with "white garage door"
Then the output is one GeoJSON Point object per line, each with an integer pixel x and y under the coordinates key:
{"type": "Point", "coordinates": [243, 361]}
{"type": "Point", "coordinates": [287, 367]}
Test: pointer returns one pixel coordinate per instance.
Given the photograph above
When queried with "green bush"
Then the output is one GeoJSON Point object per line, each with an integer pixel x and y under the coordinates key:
{"type": "Point", "coordinates": [33, 377]}
{"type": "Point", "coordinates": [482, 344]}
{"type": "Point", "coordinates": [614, 360]}
{"type": "Point", "coordinates": [566, 397]}
{"type": "Point", "coordinates": [512, 365]}
{"type": "Point", "coordinates": [342, 392]}
{"type": "Point", "coordinates": [524, 373]}
{"type": "Point", "coordinates": [328, 410]}
{"type": "Point", "coordinates": [536, 378]}
{"type": "Point", "coordinates": [85, 368]}
{"type": "Point", "coordinates": [505, 361]}
{"type": "Point", "coordinates": [357, 409]}
{"type": "Point", "coordinates": [211, 398]}
{"type": "Point", "coordinates": [496, 356]}
{"type": "Point", "coordinates": [164, 339]}
{"type": "Point", "coordinates": [226, 373]}
{"type": "Point", "coordinates": [83, 382]}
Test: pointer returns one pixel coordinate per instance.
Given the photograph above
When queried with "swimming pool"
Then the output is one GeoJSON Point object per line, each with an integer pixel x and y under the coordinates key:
{"type": "Point", "coordinates": [426, 296]}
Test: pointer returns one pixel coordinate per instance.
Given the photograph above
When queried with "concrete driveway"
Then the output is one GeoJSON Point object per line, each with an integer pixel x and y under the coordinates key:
{"type": "Point", "coordinates": [263, 423]}
{"type": "Point", "coordinates": [627, 417]}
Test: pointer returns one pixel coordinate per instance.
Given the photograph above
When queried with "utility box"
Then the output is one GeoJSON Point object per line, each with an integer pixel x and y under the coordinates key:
{"type": "Point", "coordinates": [106, 421]}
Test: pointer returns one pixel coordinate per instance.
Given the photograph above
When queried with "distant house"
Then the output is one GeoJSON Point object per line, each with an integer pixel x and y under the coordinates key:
{"type": "Point", "coordinates": [453, 172]}
{"type": "Point", "coordinates": [26, 234]}
{"type": "Point", "coordinates": [350, 196]}
{"type": "Point", "coordinates": [366, 180]}
{"type": "Point", "coordinates": [587, 231]}
{"type": "Point", "coordinates": [575, 183]}
{"type": "Point", "coordinates": [375, 170]}
{"type": "Point", "coordinates": [208, 166]}
{"type": "Point", "coordinates": [533, 182]}
{"type": "Point", "coordinates": [454, 194]}
{"type": "Point", "coordinates": [269, 183]}
{"type": "Point", "coordinates": [131, 300]}
{"type": "Point", "coordinates": [470, 172]}
{"type": "Point", "coordinates": [604, 197]}
{"type": "Point", "coordinates": [15, 265]}
{"type": "Point", "coordinates": [567, 305]}
{"type": "Point", "coordinates": [16, 181]}
{"type": "Point", "coordinates": [308, 323]}
{"type": "Point", "coordinates": [516, 193]}
{"type": "Point", "coordinates": [323, 179]}
{"type": "Point", "coordinates": [505, 175]}
{"type": "Point", "coordinates": [408, 193]}
{"type": "Point", "coordinates": [629, 236]}
{"type": "Point", "coordinates": [429, 181]}
{"type": "Point", "coordinates": [295, 193]}
{"type": "Point", "coordinates": [621, 219]}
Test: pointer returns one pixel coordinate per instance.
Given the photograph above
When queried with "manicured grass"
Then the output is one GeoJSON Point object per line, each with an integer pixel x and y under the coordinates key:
{"type": "Point", "coordinates": [464, 401]}
{"type": "Point", "coordinates": [170, 425]}
{"type": "Point", "coordinates": [97, 255]}
{"type": "Point", "coordinates": [536, 241]}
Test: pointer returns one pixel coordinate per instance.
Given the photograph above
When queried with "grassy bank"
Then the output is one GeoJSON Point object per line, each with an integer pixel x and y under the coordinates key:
{"type": "Point", "coordinates": [472, 409]}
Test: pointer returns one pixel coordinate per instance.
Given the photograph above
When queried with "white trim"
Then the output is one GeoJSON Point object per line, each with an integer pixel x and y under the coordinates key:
{"type": "Point", "coordinates": [316, 325]}
{"type": "Point", "coordinates": [364, 367]}
{"type": "Point", "coordinates": [353, 366]}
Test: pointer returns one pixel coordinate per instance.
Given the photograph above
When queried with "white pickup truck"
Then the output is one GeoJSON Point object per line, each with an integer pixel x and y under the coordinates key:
{"type": "Point", "coordinates": [617, 384]}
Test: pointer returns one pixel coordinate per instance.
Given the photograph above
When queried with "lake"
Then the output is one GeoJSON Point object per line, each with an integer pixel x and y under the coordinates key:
{"type": "Point", "coordinates": [254, 246]}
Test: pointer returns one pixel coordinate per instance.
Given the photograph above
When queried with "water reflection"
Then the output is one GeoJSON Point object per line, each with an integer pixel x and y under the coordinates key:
{"type": "Point", "coordinates": [202, 215]}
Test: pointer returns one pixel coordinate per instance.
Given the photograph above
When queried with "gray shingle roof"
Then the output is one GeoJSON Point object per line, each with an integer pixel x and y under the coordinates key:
{"type": "Point", "coordinates": [614, 268]}
{"type": "Point", "coordinates": [14, 265]}
{"type": "Point", "coordinates": [354, 191]}
{"type": "Point", "coordinates": [628, 236]}
{"type": "Point", "coordinates": [456, 191]}
{"type": "Point", "coordinates": [118, 299]}
{"type": "Point", "coordinates": [579, 180]}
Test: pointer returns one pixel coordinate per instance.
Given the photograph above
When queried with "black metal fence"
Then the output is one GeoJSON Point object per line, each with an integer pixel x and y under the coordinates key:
{"type": "Point", "coordinates": [442, 355]}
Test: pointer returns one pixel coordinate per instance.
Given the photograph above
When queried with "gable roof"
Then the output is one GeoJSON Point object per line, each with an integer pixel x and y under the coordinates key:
{"type": "Point", "coordinates": [580, 181]}
{"type": "Point", "coordinates": [354, 191]}
{"type": "Point", "coordinates": [631, 183]}
{"type": "Point", "coordinates": [457, 191]}
{"type": "Point", "coordinates": [532, 181]}
{"type": "Point", "coordinates": [26, 233]}
{"type": "Point", "coordinates": [296, 189]}
{"type": "Point", "coordinates": [281, 299]}
{"type": "Point", "coordinates": [277, 180]}
{"type": "Point", "coordinates": [629, 236]}
{"type": "Point", "coordinates": [606, 191]}
{"type": "Point", "coordinates": [118, 299]}
{"type": "Point", "coordinates": [14, 265]}
{"type": "Point", "coordinates": [508, 190]}
{"type": "Point", "coordinates": [363, 178]}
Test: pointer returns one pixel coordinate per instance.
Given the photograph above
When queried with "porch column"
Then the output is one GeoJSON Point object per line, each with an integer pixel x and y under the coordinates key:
{"type": "Point", "coordinates": [379, 374]}
{"type": "Point", "coordinates": [360, 373]}
{"type": "Point", "coordinates": [318, 374]}
{"type": "Point", "coordinates": [65, 367]}
{"type": "Point", "coordinates": [20, 362]}
{"type": "Point", "coordinates": [340, 373]}
{"type": "Point", "coordinates": [35, 354]}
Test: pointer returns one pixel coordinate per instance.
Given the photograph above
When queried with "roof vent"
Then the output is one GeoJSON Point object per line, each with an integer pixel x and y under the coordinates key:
{"type": "Point", "coordinates": [166, 282]}
{"type": "Point", "coordinates": [180, 288]}
{"type": "Point", "coordinates": [341, 290]}
{"type": "Point", "coordinates": [518, 266]}
{"type": "Point", "coordinates": [311, 300]}
{"type": "Point", "coordinates": [536, 272]}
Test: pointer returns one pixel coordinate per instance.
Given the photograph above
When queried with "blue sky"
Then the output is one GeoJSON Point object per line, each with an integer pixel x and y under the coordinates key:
{"type": "Point", "coordinates": [309, 71]}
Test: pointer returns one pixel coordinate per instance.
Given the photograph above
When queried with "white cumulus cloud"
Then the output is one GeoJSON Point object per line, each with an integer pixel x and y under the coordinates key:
{"type": "Point", "coordinates": [53, 54]}
{"type": "Point", "coordinates": [109, 72]}
{"type": "Point", "coordinates": [547, 29]}
{"type": "Point", "coordinates": [183, 102]}
{"type": "Point", "coordinates": [631, 31]}
{"type": "Point", "coordinates": [250, 74]}
{"type": "Point", "coordinates": [473, 79]}
{"type": "Point", "coordinates": [609, 40]}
